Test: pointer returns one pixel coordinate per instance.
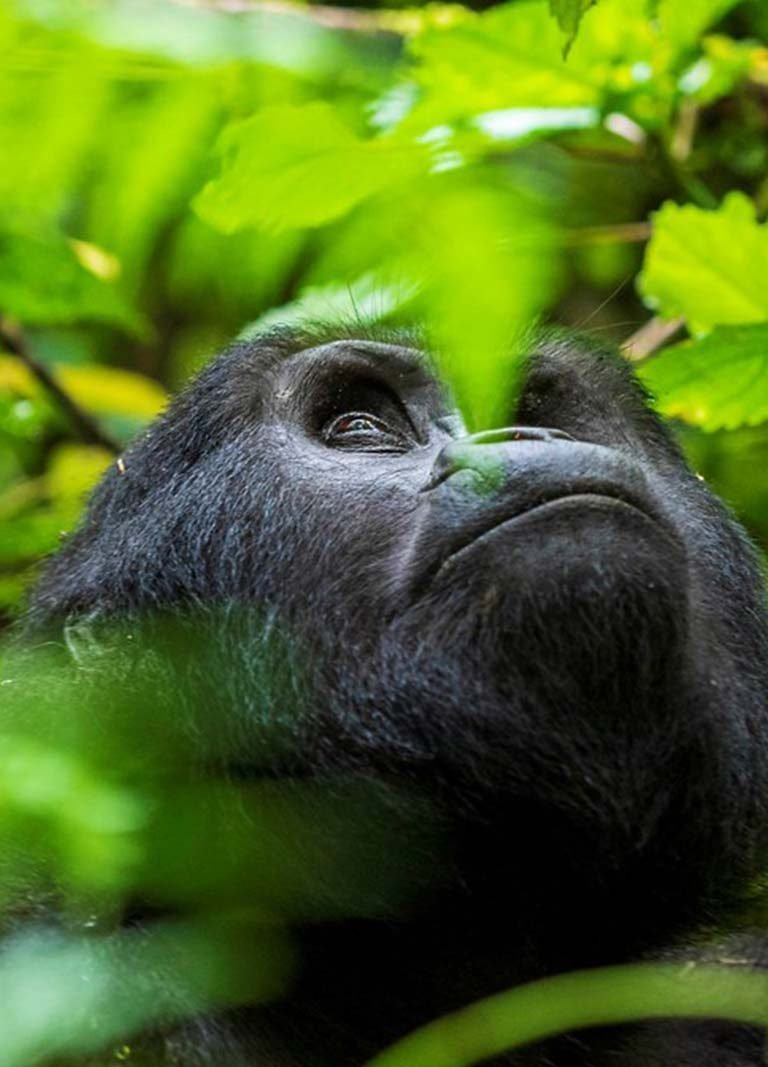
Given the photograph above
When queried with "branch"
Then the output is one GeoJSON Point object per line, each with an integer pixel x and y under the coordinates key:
{"type": "Point", "coordinates": [621, 233]}
{"type": "Point", "coordinates": [649, 338]}
{"type": "Point", "coordinates": [13, 341]}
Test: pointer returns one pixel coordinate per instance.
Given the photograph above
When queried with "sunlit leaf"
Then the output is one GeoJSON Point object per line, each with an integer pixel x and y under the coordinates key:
{"type": "Point", "coordinates": [74, 469]}
{"type": "Point", "coordinates": [112, 390]}
{"type": "Point", "coordinates": [290, 167]}
{"type": "Point", "coordinates": [509, 57]}
{"type": "Point", "coordinates": [488, 264]}
{"type": "Point", "coordinates": [683, 23]}
{"type": "Point", "coordinates": [709, 266]}
{"type": "Point", "coordinates": [100, 389]}
{"type": "Point", "coordinates": [717, 382]}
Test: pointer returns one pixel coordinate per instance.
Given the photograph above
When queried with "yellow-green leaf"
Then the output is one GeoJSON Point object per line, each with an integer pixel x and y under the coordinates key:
{"type": "Point", "coordinates": [716, 382]}
{"type": "Point", "coordinates": [293, 167]}
{"type": "Point", "coordinates": [100, 389]}
{"type": "Point", "coordinates": [708, 266]}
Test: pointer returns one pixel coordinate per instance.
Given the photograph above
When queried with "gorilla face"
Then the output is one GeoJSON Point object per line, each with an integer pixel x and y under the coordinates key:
{"type": "Point", "coordinates": [553, 627]}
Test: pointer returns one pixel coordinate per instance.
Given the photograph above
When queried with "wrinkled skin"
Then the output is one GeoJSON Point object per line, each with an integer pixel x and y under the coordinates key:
{"type": "Point", "coordinates": [553, 633]}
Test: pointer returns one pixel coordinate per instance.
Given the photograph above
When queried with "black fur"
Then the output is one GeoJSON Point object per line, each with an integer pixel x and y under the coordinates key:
{"type": "Point", "coordinates": [578, 695]}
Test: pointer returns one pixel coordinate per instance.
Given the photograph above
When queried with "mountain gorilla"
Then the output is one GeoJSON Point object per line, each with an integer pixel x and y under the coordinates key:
{"type": "Point", "coordinates": [551, 632]}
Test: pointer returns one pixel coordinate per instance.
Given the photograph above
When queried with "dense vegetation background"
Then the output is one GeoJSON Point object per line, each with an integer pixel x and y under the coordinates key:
{"type": "Point", "coordinates": [175, 174]}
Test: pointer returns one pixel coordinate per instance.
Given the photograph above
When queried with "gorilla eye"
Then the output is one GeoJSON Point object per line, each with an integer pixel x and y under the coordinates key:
{"type": "Point", "coordinates": [364, 431]}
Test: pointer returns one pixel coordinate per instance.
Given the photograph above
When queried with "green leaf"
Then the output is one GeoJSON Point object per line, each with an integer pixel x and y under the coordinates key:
{"type": "Point", "coordinates": [723, 64]}
{"type": "Point", "coordinates": [488, 261]}
{"type": "Point", "coordinates": [102, 390]}
{"type": "Point", "coordinates": [74, 469]}
{"type": "Point", "coordinates": [569, 14]}
{"type": "Point", "coordinates": [293, 167]}
{"type": "Point", "coordinates": [708, 266]}
{"type": "Point", "coordinates": [509, 57]}
{"type": "Point", "coordinates": [716, 382]}
{"type": "Point", "coordinates": [43, 282]}
{"type": "Point", "coordinates": [682, 23]}
{"type": "Point", "coordinates": [512, 57]}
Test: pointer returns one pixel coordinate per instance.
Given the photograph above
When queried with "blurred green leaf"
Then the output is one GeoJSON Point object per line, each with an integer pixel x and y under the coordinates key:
{"type": "Point", "coordinates": [74, 469]}
{"type": "Point", "coordinates": [69, 995]}
{"type": "Point", "coordinates": [512, 57]}
{"type": "Point", "coordinates": [509, 57]}
{"type": "Point", "coordinates": [43, 281]}
{"type": "Point", "coordinates": [722, 65]}
{"type": "Point", "coordinates": [489, 266]}
{"type": "Point", "coordinates": [88, 823]}
{"type": "Point", "coordinates": [581, 999]}
{"type": "Point", "coordinates": [35, 533]}
{"type": "Point", "coordinates": [100, 389]}
{"type": "Point", "coordinates": [717, 382]}
{"type": "Point", "coordinates": [683, 23]}
{"type": "Point", "coordinates": [708, 266]}
{"type": "Point", "coordinates": [170, 133]}
{"type": "Point", "coordinates": [293, 167]}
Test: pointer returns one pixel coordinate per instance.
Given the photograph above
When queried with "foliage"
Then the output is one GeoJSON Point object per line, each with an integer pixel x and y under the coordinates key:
{"type": "Point", "coordinates": [577, 1001]}
{"type": "Point", "coordinates": [173, 175]}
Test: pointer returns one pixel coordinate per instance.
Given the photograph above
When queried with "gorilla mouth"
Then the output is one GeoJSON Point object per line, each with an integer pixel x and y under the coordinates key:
{"type": "Point", "coordinates": [577, 501]}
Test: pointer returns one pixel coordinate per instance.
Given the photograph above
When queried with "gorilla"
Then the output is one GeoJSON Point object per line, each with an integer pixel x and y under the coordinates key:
{"type": "Point", "coordinates": [550, 636]}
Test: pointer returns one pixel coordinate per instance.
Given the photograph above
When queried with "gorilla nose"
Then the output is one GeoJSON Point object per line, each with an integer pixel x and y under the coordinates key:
{"type": "Point", "coordinates": [473, 452]}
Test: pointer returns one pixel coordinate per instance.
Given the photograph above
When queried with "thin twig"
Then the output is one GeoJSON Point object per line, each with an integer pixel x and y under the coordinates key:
{"type": "Point", "coordinates": [333, 18]}
{"type": "Point", "coordinates": [622, 233]}
{"type": "Point", "coordinates": [13, 341]}
{"type": "Point", "coordinates": [650, 337]}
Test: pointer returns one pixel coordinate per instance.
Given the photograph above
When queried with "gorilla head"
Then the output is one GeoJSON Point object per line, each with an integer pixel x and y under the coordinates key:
{"type": "Point", "coordinates": [551, 630]}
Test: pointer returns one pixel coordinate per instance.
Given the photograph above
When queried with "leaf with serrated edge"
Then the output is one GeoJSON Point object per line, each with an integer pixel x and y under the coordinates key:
{"type": "Point", "coordinates": [708, 266]}
{"type": "Point", "coordinates": [718, 382]}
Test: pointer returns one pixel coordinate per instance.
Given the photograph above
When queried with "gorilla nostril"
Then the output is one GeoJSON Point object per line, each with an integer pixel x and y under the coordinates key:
{"type": "Point", "coordinates": [464, 453]}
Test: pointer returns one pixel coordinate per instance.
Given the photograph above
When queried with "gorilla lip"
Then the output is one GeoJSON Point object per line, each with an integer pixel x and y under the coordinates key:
{"type": "Point", "coordinates": [596, 500]}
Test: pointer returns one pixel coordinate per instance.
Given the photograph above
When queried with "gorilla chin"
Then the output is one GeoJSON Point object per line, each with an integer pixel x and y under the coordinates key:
{"type": "Point", "coordinates": [597, 584]}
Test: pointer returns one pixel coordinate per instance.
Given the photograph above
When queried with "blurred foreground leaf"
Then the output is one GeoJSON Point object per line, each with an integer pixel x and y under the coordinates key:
{"type": "Point", "coordinates": [716, 382]}
{"type": "Point", "coordinates": [99, 389]}
{"type": "Point", "coordinates": [293, 167]}
{"type": "Point", "coordinates": [489, 267]}
{"type": "Point", "coordinates": [65, 995]}
{"type": "Point", "coordinates": [575, 1001]}
{"type": "Point", "coordinates": [43, 281]}
{"type": "Point", "coordinates": [682, 24]}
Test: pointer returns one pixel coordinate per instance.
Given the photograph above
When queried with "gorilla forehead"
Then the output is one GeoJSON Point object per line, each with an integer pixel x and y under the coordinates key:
{"type": "Point", "coordinates": [564, 377]}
